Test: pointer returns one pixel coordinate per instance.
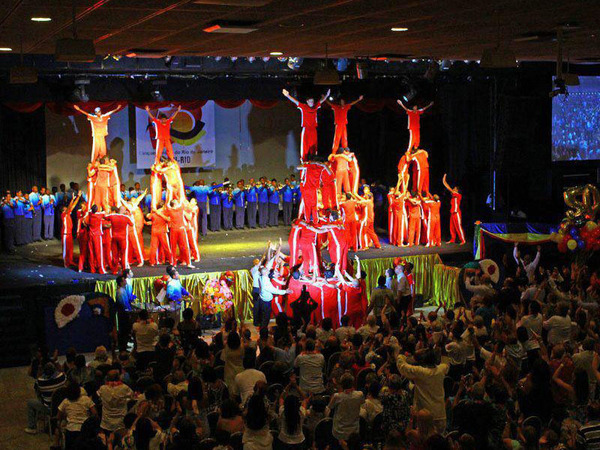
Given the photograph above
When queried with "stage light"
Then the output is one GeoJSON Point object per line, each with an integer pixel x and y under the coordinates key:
{"type": "Point", "coordinates": [410, 94]}
{"type": "Point", "coordinates": [295, 62]}
{"type": "Point", "coordinates": [399, 29]}
{"type": "Point", "coordinates": [5, 49]}
{"type": "Point", "coordinates": [251, 59]}
{"type": "Point", "coordinates": [217, 58]}
{"type": "Point", "coordinates": [266, 58]}
{"type": "Point", "coordinates": [342, 64]}
{"type": "Point", "coordinates": [276, 53]}
{"type": "Point", "coordinates": [233, 58]}
{"type": "Point", "coordinates": [41, 19]}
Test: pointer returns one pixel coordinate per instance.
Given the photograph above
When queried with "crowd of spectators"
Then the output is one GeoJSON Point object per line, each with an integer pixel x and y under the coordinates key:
{"type": "Point", "coordinates": [515, 366]}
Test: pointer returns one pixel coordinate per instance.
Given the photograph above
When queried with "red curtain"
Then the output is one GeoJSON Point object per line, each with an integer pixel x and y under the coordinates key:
{"type": "Point", "coordinates": [24, 107]}
{"type": "Point", "coordinates": [264, 104]}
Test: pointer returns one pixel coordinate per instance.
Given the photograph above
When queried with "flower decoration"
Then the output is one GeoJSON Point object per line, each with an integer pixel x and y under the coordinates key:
{"type": "Point", "coordinates": [68, 309]}
{"type": "Point", "coordinates": [217, 296]}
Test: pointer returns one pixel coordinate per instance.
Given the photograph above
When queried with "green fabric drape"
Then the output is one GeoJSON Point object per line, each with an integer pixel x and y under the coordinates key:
{"type": "Point", "coordinates": [445, 285]}
{"type": "Point", "coordinates": [433, 280]}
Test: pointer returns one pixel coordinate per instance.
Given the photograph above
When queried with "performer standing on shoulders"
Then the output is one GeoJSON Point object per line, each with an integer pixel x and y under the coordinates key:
{"type": "Point", "coordinates": [99, 123]}
{"type": "Point", "coordinates": [67, 232]}
{"type": "Point", "coordinates": [342, 160]}
{"type": "Point", "coordinates": [340, 116]}
{"type": "Point", "coordinates": [420, 173]}
{"type": "Point", "coordinates": [309, 123]}
{"type": "Point", "coordinates": [162, 126]}
{"type": "Point", "coordinates": [456, 230]}
{"type": "Point", "coordinates": [414, 123]}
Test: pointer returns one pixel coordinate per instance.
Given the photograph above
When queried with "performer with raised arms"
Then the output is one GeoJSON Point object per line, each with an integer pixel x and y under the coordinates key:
{"type": "Point", "coordinates": [309, 123]}
{"type": "Point", "coordinates": [162, 126]}
{"type": "Point", "coordinates": [340, 116]}
{"type": "Point", "coordinates": [414, 123]}
{"type": "Point", "coordinates": [99, 123]}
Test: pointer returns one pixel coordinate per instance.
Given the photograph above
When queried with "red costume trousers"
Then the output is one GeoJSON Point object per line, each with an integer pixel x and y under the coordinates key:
{"type": "Point", "coordinates": [456, 231]}
{"type": "Point", "coordinates": [83, 239]}
{"type": "Point", "coordinates": [160, 250]}
{"type": "Point", "coordinates": [96, 253]}
{"type": "Point", "coordinates": [160, 144]}
{"type": "Point", "coordinates": [414, 230]}
{"type": "Point", "coordinates": [370, 235]}
{"type": "Point", "coordinates": [435, 232]}
{"type": "Point", "coordinates": [342, 181]}
{"type": "Point", "coordinates": [328, 196]}
{"type": "Point", "coordinates": [310, 207]}
{"type": "Point", "coordinates": [351, 233]}
{"type": "Point", "coordinates": [120, 249]}
{"type": "Point", "coordinates": [340, 137]}
{"type": "Point", "coordinates": [415, 137]}
{"type": "Point", "coordinates": [179, 239]}
{"type": "Point", "coordinates": [308, 142]}
{"type": "Point", "coordinates": [67, 249]}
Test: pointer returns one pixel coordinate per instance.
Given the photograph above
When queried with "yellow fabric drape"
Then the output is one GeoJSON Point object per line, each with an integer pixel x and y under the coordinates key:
{"type": "Point", "coordinates": [433, 280]}
{"type": "Point", "coordinates": [445, 285]}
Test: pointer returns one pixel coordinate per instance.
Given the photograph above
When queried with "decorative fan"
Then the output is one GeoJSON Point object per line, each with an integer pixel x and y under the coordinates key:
{"type": "Point", "coordinates": [490, 268]}
{"type": "Point", "coordinates": [68, 309]}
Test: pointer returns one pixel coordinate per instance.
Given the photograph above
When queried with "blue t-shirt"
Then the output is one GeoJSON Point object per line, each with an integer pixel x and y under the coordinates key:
{"type": "Point", "coordinates": [297, 194]}
{"type": "Point", "coordinates": [8, 211]}
{"type": "Point", "coordinates": [263, 195]}
{"type": "Point", "coordinates": [48, 205]}
{"type": "Point", "coordinates": [226, 201]}
{"type": "Point", "coordinates": [34, 198]}
{"type": "Point", "coordinates": [238, 198]}
{"type": "Point", "coordinates": [19, 207]}
{"type": "Point", "coordinates": [214, 197]}
{"type": "Point", "coordinates": [273, 196]}
{"type": "Point", "coordinates": [288, 194]}
{"type": "Point", "coordinates": [148, 202]}
{"type": "Point", "coordinates": [175, 291]}
{"type": "Point", "coordinates": [60, 198]}
{"type": "Point", "coordinates": [251, 195]}
{"type": "Point", "coordinates": [27, 212]}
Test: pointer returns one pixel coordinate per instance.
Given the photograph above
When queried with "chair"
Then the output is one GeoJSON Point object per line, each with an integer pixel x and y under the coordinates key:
{"type": "Point", "coordinates": [274, 391]}
{"type": "Point", "coordinates": [535, 422]}
{"type": "Point", "coordinates": [266, 368]}
{"type": "Point", "coordinates": [378, 434]}
{"type": "Point", "coordinates": [324, 432]}
{"type": "Point", "coordinates": [333, 360]}
{"type": "Point", "coordinates": [220, 372]}
{"type": "Point", "coordinates": [212, 418]}
{"type": "Point", "coordinates": [361, 378]}
{"type": "Point", "coordinates": [235, 440]}
{"type": "Point", "coordinates": [207, 444]}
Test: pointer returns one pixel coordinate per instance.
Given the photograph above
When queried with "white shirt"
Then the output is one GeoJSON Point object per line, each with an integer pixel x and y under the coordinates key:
{"type": "Point", "coordinates": [533, 324]}
{"type": "Point", "coordinates": [245, 381]}
{"type": "Point", "coordinates": [559, 329]}
{"type": "Point", "coordinates": [77, 412]}
{"type": "Point", "coordinates": [255, 273]}
{"type": "Point", "coordinates": [529, 268]}
{"type": "Point", "coordinates": [267, 290]}
{"type": "Point", "coordinates": [114, 405]}
{"type": "Point", "coordinates": [403, 286]}
{"type": "Point", "coordinates": [146, 336]}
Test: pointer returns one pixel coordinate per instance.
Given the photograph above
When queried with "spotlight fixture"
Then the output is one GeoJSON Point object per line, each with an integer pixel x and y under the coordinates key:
{"type": "Point", "coordinates": [5, 49]}
{"type": "Point", "coordinates": [341, 64]}
{"type": "Point", "coordinates": [276, 53]}
{"type": "Point", "coordinates": [295, 62]}
{"type": "Point", "coordinates": [399, 29]}
{"type": "Point", "coordinates": [79, 94]}
{"type": "Point", "coordinates": [41, 19]}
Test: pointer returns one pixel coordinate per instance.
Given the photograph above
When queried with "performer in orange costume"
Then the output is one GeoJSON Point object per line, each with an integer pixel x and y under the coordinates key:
{"type": "Point", "coordinates": [160, 249]}
{"type": "Point", "coordinates": [350, 221]}
{"type": "Point", "coordinates": [95, 219]}
{"type": "Point", "coordinates": [431, 207]}
{"type": "Point", "coordinates": [103, 183]}
{"type": "Point", "coordinates": [178, 234]}
{"type": "Point", "coordinates": [414, 124]}
{"type": "Point", "coordinates": [162, 127]}
{"type": "Point", "coordinates": [310, 177]}
{"type": "Point", "coordinates": [309, 110]}
{"type": "Point", "coordinates": [83, 237]}
{"type": "Point", "coordinates": [414, 220]}
{"type": "Point", "coordinates": [191, 217]}
{"type": "Point", "coordinates": [340, 116]}
{"type": "Point", "coordinates": [120, 225]}
{"type": "Point", "coordinates": [391, 197]}
{"type": "Point", "coordinates": [328, 189]}
{"type": "Point", "coordinates": [171, 173]}
{"type": "Point", "coordinates": [401, 216]}
{"type": "Point", "coordinates": [420, 173]}
{"type": "Point", "coordinates": [307, 244]}
{"type": "Point", "coordinates": [338, 245]}
{"type": "Point", "coordinates": [67, 231]}
{"type": "Point", "coordinates": [456, 231]}
{"type": "Point", "coordinates": [99, 123]}
{"type": "Point", "coordinates": [342, 160]}
{"type": "Point", "coordinates": [136, 238]}
{"type": "Point", "coordinates": [368, 223]}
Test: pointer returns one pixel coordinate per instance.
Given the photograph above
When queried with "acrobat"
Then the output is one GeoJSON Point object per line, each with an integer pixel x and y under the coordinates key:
{"type": "Point", "coordinates": [414, 123]}
{"type": "Point", "coordinates": [340, 115]}
{"type": "Point", "coordinates": [99, 123]}
{"type": "Point", "coordinates": [162, 126]}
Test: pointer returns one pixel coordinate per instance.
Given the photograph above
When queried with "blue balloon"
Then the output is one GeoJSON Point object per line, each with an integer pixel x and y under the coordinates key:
{"type": "Point", "coordinates": [574, 232]}
{"type": "Point", "coordinates": [580, 243]}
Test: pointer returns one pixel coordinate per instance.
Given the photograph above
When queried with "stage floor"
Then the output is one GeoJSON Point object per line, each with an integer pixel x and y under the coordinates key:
{"type": "Point", "coordinates": [41, 263]}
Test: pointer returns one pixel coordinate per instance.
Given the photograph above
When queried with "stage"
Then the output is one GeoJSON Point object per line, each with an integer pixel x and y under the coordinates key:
{"type": "Point", "coordinates": [40, 263]}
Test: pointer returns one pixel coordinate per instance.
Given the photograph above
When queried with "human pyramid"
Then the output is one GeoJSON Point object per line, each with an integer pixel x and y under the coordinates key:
{"type": "Point", "coordinates": [109, 227]}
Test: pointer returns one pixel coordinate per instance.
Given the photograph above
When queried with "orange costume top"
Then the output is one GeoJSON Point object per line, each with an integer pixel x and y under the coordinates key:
{"type": "Point", "coordinates": [177, 219]}
{"type": "Point", "coordinates": [67, 223]}
{"type": "Point", "coordinates": [414, 119]}
{"type": "Point", "coordinates": [455, 203]}
{"type": "Point", "coordinates": [434, 209]}
{"type": "Point", "coordinates": [120, 224]}
{"type": "Point", "coordinates": [370, 207]}
{"type": "Point", "coordinates": [340, 114]}
{"type": "Point", "coordinates": [341, 163]}
{"type": "Point", "coordinates": [159, 225]}
{"type": "Point", "coordinates": [349, 207]}
{"type": "Point", "coordinates": [414, 210]}
{"type": "Point", "coordinates": [421, 158]}
{"type": "Point", "coordinates": [309, 115]}
{"type": "Point", "coordinates": [163, 130]}
{"type": "Point", "coordinates": [99, 125]}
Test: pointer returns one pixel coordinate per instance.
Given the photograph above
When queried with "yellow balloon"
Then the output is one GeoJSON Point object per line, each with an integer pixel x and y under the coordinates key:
{"type": "Point", "coordinates": [572, 244]}
{"type": "Point", "coordinates": [590, 225]}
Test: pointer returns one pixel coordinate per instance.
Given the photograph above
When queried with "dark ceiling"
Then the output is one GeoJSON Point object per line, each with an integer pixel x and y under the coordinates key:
{"type": "Point", "coordinates": [449, 29]}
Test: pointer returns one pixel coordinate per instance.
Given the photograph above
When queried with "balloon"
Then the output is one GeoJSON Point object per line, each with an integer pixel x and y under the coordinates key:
{"type": "Point", "coordinates": [580, 244]}
{"type": "Point", "coordinates": [572, 244]}
{"type": "Point", "coordinates": [583, 201]}
{"type": "Point", "coordinates": [590, 225]}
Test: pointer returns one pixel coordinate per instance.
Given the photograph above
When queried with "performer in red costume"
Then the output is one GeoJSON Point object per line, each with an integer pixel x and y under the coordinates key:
{"type": "Point", "coordinates": [191, 218]}
{"type": "Point", "coordinates": [67, 231]}
{"type": "Point", "coordinates": [162, 127]}
{"type": "Point", "coordinates": [340, 116]}
{"type": "Point", "coordinates": [136, 238]}
{"type": "Point", "coordinates": [160, 249]}
{"type": "Point", "coordinates": [309, 123]}
{"type": "Point", "coordinates": [414, 124]}
{"type": "Point", "coordinates": [328, 189]}
{"type": "Point", "coordinates": [420, 172]}
{"type": "Point", "coordinates": [431, 207]}
{"type": "Point", "coordinates": [307, 244]}
{"type": "Point", "coordinates": [414, 219]}
{"type": "Point", "coordinates": [103, 183]}
{"type": "Point", "coordinates": [99, 123]}
{"type": "Point", "coordinates": [401, 215]}
{"type": "Point", "coordinates": [178, 234]}
{"type": "Point", "coordinates": [310, 177]}
{"type": "Point", "coordinates": [120, 223]}
{"type": "Point", "coordinates": [456, 231]}
{"type": "Point", "coordinates": [350, 221]}
{"type": "Point", "coordinates": [342, 160]}
{"type": "Point", "coordinates": [83, 237]}
{"type": "Point", "coordinates": [95, 220]}
{"type": "Point", "coordinates": [367, 225]}
{"type": "Point", "coordinates": [338, 245]}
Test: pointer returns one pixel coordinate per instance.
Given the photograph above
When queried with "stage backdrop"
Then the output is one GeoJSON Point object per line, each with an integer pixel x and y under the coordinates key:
{"type": "Point", "coordinates": [240, 142]}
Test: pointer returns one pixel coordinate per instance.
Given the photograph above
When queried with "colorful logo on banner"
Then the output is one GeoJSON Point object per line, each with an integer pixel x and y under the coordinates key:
{"type": "Point", "coordinates": [187, 127]}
